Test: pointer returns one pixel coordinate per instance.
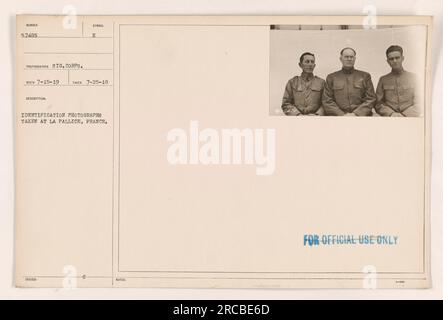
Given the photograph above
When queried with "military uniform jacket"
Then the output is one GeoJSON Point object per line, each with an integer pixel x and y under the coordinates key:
{"type": "Point", "coordinates": [397, 92]}
{"type": "Point", "coordinates": [303, 95]}
{"type": "Point", "coordinates": [349, 91]}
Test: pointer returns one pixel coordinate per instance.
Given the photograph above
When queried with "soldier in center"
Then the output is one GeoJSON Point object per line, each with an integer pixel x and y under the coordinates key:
{"type": "Point", "coordinates": [348, 92]}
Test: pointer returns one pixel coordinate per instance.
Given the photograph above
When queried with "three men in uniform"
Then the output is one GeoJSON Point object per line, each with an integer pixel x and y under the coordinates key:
{"type": "Point", "coordinates": [350, 92]}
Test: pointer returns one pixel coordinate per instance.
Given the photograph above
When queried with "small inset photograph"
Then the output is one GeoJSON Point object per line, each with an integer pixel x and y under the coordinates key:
{"type": "Point", "coordinates": [346, 70]}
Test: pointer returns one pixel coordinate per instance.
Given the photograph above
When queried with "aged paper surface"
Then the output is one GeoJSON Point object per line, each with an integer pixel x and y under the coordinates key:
{"type": "Point", "coordinates": [153, 151]}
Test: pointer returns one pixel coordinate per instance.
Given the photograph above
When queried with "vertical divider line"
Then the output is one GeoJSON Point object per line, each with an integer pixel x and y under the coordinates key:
{"type": "Point", "coordinates": [113, 152]}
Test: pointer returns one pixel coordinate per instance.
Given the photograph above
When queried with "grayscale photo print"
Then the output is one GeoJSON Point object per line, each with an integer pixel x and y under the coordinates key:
{"type": "Point", "coordinates": [347, 70]}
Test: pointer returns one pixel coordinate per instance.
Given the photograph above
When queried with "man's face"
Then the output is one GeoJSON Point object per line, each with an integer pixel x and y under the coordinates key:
{"type": "Point", "coordinates": [395, 60]}
{"type": "Point", "coordinates": [347, 58]}
{"type": "Point", "coordinates": [308, 63]}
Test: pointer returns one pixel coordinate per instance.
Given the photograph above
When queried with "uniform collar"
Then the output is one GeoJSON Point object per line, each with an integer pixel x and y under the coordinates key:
{"type": "Point", "coordinates": [347, 70]}
{"type": "Point", "coordinates": [307, 76]}
{"type": "Point", "coordinates": [398, 72]}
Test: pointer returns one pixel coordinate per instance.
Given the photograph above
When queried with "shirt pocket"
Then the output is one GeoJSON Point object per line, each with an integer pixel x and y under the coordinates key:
{"type": "Point", "coordinates": [299, 88]}
{"type": "Point", "coordinates": [406, 92]}
{"type": "Point", "coordinates": [338, 85]}
{"type": "Point", "coordinates": [299, 94]}
{"type": "Point", "coordinates": [316, 86]}
{"type": "Point", "coordinates": [359, 84]}
{"type": "Point", "coordinates": [387, 87]}
{"type": "Point", "coordinates": [389, 93]}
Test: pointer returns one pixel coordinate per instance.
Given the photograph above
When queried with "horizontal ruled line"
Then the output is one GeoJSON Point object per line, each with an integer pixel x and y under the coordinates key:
{"type": "Point", "coordinates": [269, 272]}
{"type": "Point", "coordinates": [63, 69]}
{"type": "Point", "coordinates": [61, 37]}
{"type": "Point", "coordinates": [68, 53]}
{"type": "Point", "coordinates": [84, 277]}
{"type": "Point", "coordinates": [231, 278]}
{"type": "Point", "coordinates": [68, 85]}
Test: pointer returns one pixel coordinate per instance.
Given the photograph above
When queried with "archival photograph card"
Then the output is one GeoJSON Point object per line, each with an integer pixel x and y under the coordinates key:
{"type": "Point", "coordinates": [223, 151]}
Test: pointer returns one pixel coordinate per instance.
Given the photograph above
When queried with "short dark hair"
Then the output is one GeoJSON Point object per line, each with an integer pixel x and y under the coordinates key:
{"type": "Point", "coordinates": [341, 52]}
{"type": "Point", "coordinates": [394, 48]}
{"type": "Point", "coordinates": [306, 54]}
